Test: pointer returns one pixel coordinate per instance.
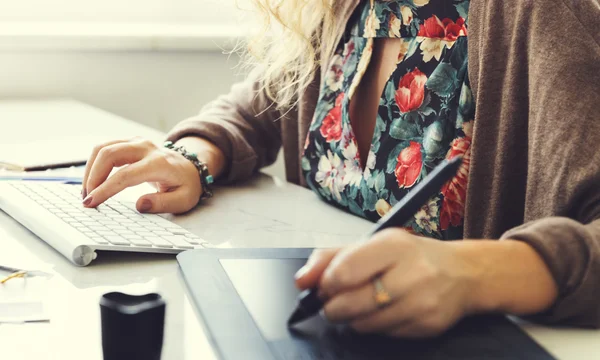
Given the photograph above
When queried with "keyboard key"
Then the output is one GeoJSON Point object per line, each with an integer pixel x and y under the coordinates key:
{"type": "Point", "coordinates": [136, 228]}
{"type": "Point", "coordinates": [106, 233]}
{"type": "Point", "coordinates": [124, 232]}
{"type": "Point", "coordinates": [59, 214]}
{"type": "Point", "coordinates": [98, 228]}
{"type": "Point", "coordinates": [178, 231]}
{"type": "Point", "coordinates": [154, 228]}
{"type": "Point", "coordinates": [137, 240]}
{"type": "Point", "coordinates": [159, 242]}
{"type": "Point", "coordinates": [89, 211]}
{"type": "Point", "coordinates": [179, 241]}
{"type": "Point", "coordinates": [132, 236]}
{"type": "Point", "coordinates": [129, 211]}
{"type": "Point", "coordinates": [89, 222]}
{"type": "Point", "coordinates": [140, 242]}
{"type": "Point", "coordinates": [82, 218]}
{"type": "Point", "coordinates": [103, 208]}
{"type": "Point", "coordinates": [98, 239]}
{"type": "Point", "coordinates": [169, 226]}
{"type": "Point", "coordinates": [145, 233]}
{"type": "Point", "coordinates": [116, 227]}
{"type": "Point", "coordinates": [117, 240]}
{"type": "Point", "coordinates": [162, 233]}
{"type": "Point", "coordinates": [145, 223]}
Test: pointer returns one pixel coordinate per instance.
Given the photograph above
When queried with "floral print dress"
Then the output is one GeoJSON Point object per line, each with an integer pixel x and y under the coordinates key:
{"type": "Point", "coordinates": [425, 115]}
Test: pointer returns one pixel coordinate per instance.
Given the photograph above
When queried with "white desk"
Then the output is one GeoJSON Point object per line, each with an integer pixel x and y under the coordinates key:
{"type": "Point", "coordinates": [265, 212]}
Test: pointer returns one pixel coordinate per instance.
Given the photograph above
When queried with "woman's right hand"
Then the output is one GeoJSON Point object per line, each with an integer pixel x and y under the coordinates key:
{"type": "Point", "coordinates": [176, 179]}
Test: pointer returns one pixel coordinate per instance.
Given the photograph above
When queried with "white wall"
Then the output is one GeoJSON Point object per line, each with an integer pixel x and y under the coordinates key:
{"type": "Point", "coordinates": [129, 11]}
{"type": "Point", "coordinates": [155, 88]}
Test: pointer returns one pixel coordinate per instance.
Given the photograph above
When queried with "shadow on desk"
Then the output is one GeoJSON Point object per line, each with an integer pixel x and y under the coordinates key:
{"type": "Point", "coordinates": [114, 258]}
{"type": "Point", "coordinates": [118, 269]}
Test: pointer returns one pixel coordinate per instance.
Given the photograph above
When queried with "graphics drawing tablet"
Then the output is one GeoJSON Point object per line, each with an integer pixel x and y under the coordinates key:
{"type": "Point", "coordinates": [245, 296]}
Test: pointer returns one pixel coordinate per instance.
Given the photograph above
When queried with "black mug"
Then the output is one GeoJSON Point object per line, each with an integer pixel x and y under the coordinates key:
{"type": "Point", "coordinates": [132, 326]}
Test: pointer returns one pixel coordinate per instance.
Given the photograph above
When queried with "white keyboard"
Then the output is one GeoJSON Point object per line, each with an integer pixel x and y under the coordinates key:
{"type": "Point", "coordinates": [54, 213]}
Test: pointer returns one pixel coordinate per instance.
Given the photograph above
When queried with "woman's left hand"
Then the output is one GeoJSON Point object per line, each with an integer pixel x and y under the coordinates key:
{"type": "Point", "coordinates": [430, 286]}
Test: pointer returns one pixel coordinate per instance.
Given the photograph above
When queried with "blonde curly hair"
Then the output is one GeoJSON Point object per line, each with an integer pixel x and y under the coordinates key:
{"type": "Point", "coordinates": [288, 47]}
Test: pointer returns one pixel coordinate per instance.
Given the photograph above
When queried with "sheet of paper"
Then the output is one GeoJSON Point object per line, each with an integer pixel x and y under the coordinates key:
{"type": "Point", "coordinates": [22, 299]}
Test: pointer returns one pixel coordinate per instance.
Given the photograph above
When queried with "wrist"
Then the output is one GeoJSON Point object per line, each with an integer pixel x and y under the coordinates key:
{"type": "Point", "coordinates": [507, 277]}
{"type": "Point", "coordinates": [200, 167]}
{"type": "Point", "coordinates": [207, 152]}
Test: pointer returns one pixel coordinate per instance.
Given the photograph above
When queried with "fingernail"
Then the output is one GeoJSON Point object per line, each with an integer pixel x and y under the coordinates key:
{"type": "Point", "coordinates": [83, 193]}
{"type": "Point", "coordinates": [87, 200]}
{"type": "Point", "coordinates": [300, 273]}
{"type": "Point", "coordinates": [146, 205]}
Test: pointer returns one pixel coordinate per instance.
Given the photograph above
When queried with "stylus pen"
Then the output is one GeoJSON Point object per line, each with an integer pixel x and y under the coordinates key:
{"type": "Point", "coordinates": [309, 303]}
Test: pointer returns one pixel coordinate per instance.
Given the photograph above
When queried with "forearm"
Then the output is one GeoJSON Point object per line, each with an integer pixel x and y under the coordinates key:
{"type": "Point", "coordinates": [207, 152]}
{"type": "Point", "coordinates": [508, 277]}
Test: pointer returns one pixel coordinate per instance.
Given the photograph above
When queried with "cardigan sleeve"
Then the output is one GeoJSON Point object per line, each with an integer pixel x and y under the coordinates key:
{"type": "Point", "coordinates": [563, 174]}
{"type": "Point", "coordinates": [572, 251]}
{"type": "Point", "coordinates": [244, 124]}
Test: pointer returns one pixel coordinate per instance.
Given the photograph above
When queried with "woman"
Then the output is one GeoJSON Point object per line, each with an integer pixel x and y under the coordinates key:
{"type": "Point", "coordinates": [510, 86]}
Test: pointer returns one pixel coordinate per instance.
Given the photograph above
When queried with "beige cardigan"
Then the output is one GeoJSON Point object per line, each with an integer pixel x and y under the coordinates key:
{"type": "Point", "coordinates": [534, 67]}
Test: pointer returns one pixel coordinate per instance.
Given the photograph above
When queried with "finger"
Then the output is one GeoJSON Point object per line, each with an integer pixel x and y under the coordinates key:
{"type": "Point", "coordinates": [359, 264]}
{"type": "Point", "coordinates": [128, 176]}
{"type": "Point", "coordinates": [176, 202]}
{"type": "Point", "coordinates": [412, 308]}
{"type": "Point", "coordinates": [90, 163]}
{"type": "Point", "coordinates": [308, 276]}
{"type": "Point", "coordinates": [357, 303]}
{"type": "Point", "coordinates": [113, 156]}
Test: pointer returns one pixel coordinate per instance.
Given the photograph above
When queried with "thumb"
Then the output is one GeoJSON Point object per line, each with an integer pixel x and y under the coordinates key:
{"type": "Point", "coordinates": [310, 274]}
{"type": "Point", "coordinates": [176, 202]}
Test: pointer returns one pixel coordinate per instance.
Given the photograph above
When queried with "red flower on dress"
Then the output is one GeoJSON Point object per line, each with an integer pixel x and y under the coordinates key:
{"type": "Point", "coordinates": [448, 30]}
{"type": "Point", "coordinates": [411, 91]}
{"type": "Point", "coordinates": [410, 162]}
{"type": "Point", "coordinates": [331, 128]}
{"type": "Point", "coordinates": [455, 191]}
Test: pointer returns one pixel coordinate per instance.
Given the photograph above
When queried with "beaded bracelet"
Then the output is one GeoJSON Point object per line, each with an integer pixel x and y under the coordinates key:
{"type": "Point", "coordinates": [206, 179]}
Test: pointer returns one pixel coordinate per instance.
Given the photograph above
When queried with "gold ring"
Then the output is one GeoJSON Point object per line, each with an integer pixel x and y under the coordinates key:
{"type": "Point", "coordinates": [382, 297]}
